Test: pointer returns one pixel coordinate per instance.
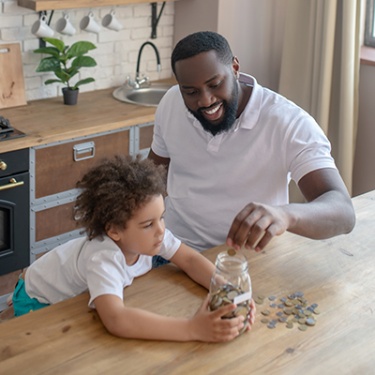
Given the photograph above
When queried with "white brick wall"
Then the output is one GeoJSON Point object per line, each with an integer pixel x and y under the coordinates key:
{"type": "Point", "coordinates": [116, 52]}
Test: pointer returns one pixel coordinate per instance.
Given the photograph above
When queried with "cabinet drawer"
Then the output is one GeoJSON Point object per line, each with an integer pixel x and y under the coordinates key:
{"type": "Point", "coordinates": [54, 221]}
{"type": "Point", "coordinates": [145, 136]}
{"type": "Point", "coordinates": [59, 167]}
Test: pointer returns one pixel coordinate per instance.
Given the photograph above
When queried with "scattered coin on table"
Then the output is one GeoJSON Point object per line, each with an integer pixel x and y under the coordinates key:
{"type": "Point", "coordinates": [290, 309]}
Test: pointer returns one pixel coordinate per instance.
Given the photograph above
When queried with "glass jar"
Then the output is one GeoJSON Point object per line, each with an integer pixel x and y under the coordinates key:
{"type": "Point", "coordinates": [231, 283]}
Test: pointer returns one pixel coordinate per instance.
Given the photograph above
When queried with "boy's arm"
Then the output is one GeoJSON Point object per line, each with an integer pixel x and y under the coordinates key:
{"type": "Point", "coordinates": [194, 264]}
{"type": "Point", "coordinates": [136, 323]}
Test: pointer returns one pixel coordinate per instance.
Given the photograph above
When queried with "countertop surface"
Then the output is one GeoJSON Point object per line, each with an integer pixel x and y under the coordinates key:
{"type": "Point", "coordinates": [49, 120]}
{"type": "Point", "coordinates": [336, 274]}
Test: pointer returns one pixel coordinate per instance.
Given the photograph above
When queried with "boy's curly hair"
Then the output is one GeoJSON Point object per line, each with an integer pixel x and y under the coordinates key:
{"type": "Point", "coordinates": [114, 190]}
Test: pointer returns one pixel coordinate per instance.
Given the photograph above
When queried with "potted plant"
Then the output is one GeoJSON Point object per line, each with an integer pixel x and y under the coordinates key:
{"type": "Point", "coordinates": [66, 61]}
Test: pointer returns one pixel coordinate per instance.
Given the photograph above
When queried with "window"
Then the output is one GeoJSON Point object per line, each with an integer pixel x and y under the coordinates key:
{"type": "Point", "coordinates": [370, 24]}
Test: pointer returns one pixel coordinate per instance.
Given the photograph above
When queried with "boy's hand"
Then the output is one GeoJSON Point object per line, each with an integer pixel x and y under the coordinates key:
{"type": "Point", "coordinates": [252, 314]}
{"type": "Point", "coordinates": [209, 326]}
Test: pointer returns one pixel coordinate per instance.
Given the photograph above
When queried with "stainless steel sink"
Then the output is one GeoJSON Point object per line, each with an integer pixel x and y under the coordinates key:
{"type": "Point", "coordinates": [146, 96]}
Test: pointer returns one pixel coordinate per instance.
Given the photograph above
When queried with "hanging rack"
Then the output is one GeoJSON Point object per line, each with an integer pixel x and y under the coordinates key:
{"type": "Point", "coordinates": [155, 18]}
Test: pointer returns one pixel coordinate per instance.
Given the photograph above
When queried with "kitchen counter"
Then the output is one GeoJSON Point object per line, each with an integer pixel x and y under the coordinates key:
{"type": "Point", "coordinates": [49, 120]}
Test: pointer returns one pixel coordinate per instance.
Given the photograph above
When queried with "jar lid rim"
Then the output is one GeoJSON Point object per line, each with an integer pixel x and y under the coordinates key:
{"type": "Point", "coordinates": [237, 261]}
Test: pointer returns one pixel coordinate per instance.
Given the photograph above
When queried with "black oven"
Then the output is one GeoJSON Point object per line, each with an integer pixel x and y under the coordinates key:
{"type": "Point", "coordinates": [14, 211]}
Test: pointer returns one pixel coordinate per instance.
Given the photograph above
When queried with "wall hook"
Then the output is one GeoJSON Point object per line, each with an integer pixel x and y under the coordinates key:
{"type": "Point", "coordinates": [155, 18]}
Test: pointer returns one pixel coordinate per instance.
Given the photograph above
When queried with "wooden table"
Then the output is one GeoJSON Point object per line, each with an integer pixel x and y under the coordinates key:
{"type": "Point", "coordinates": [338, 274]}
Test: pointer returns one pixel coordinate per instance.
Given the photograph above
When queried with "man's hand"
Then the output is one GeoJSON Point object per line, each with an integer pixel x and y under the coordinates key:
{"type": "Point", "coordinates": [255, 226]}
{"type": "Point", "coordinates": [327, 212]}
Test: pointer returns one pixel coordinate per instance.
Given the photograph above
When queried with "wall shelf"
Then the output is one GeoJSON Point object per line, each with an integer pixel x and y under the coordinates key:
{"type": "Point", "coordinates": [41, 5]}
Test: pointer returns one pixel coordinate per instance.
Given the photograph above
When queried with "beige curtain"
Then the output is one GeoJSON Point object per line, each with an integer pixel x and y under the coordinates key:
{"type": "Point", "coordinates": [320, 69]}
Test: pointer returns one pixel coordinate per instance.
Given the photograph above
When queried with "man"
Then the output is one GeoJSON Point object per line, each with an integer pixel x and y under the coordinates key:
{"type": "Point", "coordinates": [231, 148]}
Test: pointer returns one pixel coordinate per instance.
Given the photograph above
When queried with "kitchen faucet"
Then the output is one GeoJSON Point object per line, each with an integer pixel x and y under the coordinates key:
{"type": "Point", "coordinates": [144, 81]}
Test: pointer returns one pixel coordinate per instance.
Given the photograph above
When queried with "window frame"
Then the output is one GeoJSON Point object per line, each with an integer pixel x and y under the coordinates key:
{"type": "Point", "coordinates": [369, 39]}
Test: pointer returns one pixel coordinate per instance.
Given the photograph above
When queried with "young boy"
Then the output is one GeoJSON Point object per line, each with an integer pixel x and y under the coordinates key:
{"type": "Point", "coordinates": [121, 207]}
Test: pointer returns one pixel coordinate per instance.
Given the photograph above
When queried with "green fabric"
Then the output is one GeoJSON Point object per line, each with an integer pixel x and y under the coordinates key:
{"type": "Point", "coordinates": [22, 303]}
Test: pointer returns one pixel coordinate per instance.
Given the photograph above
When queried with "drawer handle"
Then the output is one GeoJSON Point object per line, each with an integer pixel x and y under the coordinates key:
{"type": "Point", "coordinates": [13, 184]}
{"type": "Point", "coordinates": [84, 151]}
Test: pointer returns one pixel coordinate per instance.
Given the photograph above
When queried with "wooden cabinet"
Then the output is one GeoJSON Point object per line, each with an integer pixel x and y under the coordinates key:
{"type": "Point", "coordinates": [143, 138]}
{"type": "Point", "coordinates": [53, 222]}
{"type": "Point", "coordinates": [55, 168]}
{"type": "Point", "coordinates": [59, 167]}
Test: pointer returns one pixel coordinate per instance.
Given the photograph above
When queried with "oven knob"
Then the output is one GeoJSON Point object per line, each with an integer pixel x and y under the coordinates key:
{"type": "Point", "coordinates": [3, 165]}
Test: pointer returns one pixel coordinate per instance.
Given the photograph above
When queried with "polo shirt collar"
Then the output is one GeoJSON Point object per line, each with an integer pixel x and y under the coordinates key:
{"type": "Point", "coordinates": [249, 116]}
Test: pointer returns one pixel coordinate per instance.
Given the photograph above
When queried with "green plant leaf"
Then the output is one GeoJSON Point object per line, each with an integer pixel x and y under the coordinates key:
{"type": "Point", "coordinates": [48, 50]}
{"type": "Point", "coordinates": [83, 82]}
{"type": "Point", "coordinates": [49, 81]}
{"type": "Point", "coordinates": [59, 44]}
{"type": "Point", "coordinates": [48, 64]}
{"type": "Point", "coordinates": [83, 61]}
{"type": "Point", "coordinates": [64, 77]}
{"type": "Point", "coordinates": [72, 71]}
{"type": "Point", "coordinates": [80, 48]}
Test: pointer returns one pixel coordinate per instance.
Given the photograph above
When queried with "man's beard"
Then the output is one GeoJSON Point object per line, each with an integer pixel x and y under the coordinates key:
{"type": "Point", "coordinates": [230, 113]}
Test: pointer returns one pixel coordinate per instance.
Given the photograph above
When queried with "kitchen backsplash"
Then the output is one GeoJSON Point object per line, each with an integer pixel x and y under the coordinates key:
{"type": "Point", "coordinates": [116, 52]}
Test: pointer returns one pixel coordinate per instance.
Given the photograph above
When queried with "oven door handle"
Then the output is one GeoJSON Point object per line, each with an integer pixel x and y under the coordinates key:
{"type": "Point", "coordinates": [13, 184]}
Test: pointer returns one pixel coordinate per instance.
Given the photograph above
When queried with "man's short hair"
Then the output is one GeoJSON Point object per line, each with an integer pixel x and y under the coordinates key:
{"type": "Point", "coordinates": [202, 41]}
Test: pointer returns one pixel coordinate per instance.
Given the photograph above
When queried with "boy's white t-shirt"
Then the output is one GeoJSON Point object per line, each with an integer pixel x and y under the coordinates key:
{"type": "Point", "coordinates": [98, 266]}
